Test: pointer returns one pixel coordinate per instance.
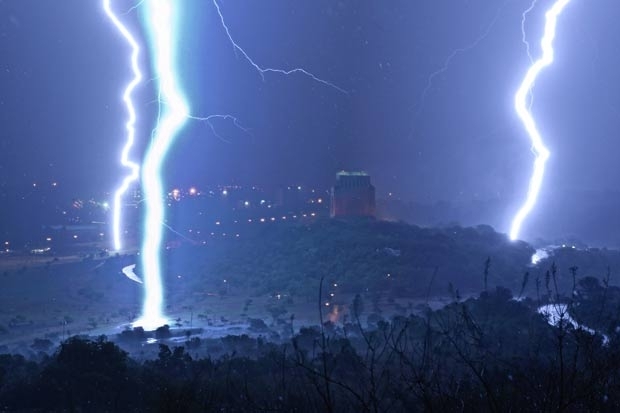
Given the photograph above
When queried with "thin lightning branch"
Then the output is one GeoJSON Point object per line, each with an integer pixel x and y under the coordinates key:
{"type": "Point", "coordinates": [521, 106]}
{"type": "Point", "coordinates": [130, 126]}
{"type": "Point", "coordinates": [527, 49]}
{"type": "Point", "coordinates": [172, 119]}
{"type": "Point", "coordinates": [132, 8]}
{"type": "Point", "coordinates": [174, 231]}
{"type": "Point", "coordinates": [263, 70]}
{"type": "Point", "coordinates": [456, 52]}
{"type": "Point", "coordinates": [523, 34]}
{"type": "Point", "coordinates": [208, 120]}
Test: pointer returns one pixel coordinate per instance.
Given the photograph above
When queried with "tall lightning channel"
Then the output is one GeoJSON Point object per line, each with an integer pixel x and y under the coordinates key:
{"type": "Point", "coordinates": [175, 112]}
{"type": "Point", "coordinates": [264, 70]}
{"type": "Point", "coordinates": [523, 111]}
{"type": "Point", "coordinates": [134, 169]}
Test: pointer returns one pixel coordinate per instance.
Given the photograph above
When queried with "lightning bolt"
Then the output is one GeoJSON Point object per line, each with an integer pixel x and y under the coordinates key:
{"type": "Point", "coordinates": [521, 106]}
{"type": "Point", "coordinates": [209, 121]}
{"type": "Point", "coordinates": [523, 33]}
{"type": "Point", "coordinates": [172, 115]}
{"type": "Point", "coordinates": [456, 52]}
{"type": "Point", "coordinates": [133, 167]}
{"type": "Point", "coordinates": [175, 113]}
{"type": "Point", "coordinates": [263, 70]}
{"type": "Point", "coordinates": [527, 48]}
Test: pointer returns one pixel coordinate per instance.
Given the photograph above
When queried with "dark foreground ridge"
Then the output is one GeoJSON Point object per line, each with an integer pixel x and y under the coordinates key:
{"type": "Point", "coordinates": [490, 353]}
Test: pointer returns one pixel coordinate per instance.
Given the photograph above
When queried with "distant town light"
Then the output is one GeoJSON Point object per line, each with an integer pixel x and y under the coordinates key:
{"type": "Point", "coordinates": [193, 191]}
{"type": "Point", "coordinates": [246, 203]}
{"type": "Point", "coordinates": [225, 192]}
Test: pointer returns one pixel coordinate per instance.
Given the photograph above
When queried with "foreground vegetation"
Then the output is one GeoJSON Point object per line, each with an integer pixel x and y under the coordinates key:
{"type": "Point", "coordinates": [272, 272]}
{"type": "Point", "coordinates": [490, 353]}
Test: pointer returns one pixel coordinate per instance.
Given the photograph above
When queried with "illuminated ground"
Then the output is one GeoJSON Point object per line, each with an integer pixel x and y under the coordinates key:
{"type": "Point", "coordinates": [74, 296]}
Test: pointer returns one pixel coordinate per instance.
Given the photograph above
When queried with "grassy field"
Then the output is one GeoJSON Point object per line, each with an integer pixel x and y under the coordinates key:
{"type": "Point", "coordinates": [56, 299]}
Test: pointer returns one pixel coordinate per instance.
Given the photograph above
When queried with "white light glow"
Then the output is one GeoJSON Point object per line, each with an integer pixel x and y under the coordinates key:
{"type": "Point", "coordinates": [522, 107]}
{"type": "Point", "coordinates": [174, 115]}
{"type": "Point", "coordinates": [133, 167]}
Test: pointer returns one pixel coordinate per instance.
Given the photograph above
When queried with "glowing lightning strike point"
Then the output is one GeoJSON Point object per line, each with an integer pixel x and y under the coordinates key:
{"type": "Point", "coordinates": [262, 70]}
{"type": "Point", "coordinates": [175, 114]}
{"type": "Point", "coordinates": [521, 106]}
{"type": "Point", "coordinates": [130, 126]}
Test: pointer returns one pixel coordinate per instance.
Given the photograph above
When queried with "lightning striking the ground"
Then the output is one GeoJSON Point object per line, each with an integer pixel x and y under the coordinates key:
{"type": "Point", "coordinates": [172, 115]}
{"type": "Point", "coordinates": [522, 108]}
{"type": "Point", "coordinates": [264, 70]}
{"type": "Point", "coordinates": [161, 22]}
{"type": "Point", "coordinates": [134, 169]}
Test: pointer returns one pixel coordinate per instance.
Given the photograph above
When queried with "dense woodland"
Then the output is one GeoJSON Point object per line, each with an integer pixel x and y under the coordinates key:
{"type": "Point", "coordinates": [358, 254]}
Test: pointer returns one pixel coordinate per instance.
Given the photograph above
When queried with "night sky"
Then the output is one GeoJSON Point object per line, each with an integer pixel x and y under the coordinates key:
{"type": "Point", "coordinates": [63, 67]}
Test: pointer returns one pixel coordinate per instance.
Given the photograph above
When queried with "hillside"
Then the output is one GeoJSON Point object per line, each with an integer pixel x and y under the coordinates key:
{"type": "Point", "coordinates": [359, 255]}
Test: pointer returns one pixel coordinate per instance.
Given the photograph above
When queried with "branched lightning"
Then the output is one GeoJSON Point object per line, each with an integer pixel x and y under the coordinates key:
{"type": "Point", "coordinates": [527, 49]}
{"type": "Point", "coordinates": [263, 70]}
{"type": "Point", "coordinates": [456, 52]}
{"type": "Point", "coordinates": [173, 116]}
{"type": "Point", "coordinates": [522, 109]}
{"type": "Point", "coordinates": [523, 34]}
{"type": "Point", "coordinates": [209, 121]}
{"type": "Point", "coordinates": [130, 126]}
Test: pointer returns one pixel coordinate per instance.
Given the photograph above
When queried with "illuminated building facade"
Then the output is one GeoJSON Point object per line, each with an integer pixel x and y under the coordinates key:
{"type": "Point", "coordinates": [352, 195]}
